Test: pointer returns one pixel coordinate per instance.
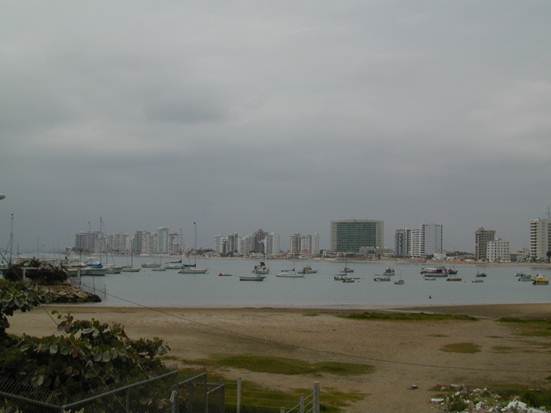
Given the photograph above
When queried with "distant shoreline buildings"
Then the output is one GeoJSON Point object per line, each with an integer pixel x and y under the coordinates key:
{"type": "Point", "coordinates": [360, 237]}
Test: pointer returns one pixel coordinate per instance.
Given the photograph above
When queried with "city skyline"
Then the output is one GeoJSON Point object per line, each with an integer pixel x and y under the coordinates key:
{"type": "Point", "coordinates": [286, 116]}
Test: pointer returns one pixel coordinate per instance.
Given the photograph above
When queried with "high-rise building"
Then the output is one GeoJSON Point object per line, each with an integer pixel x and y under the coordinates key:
{"type": "Point", "coordinates": [402, 242]}
{"type": "Point", "coordinates": [174, 245]}
{"type": "Point", "coordinates": [162, 240]}
{"type": "Point", "coordinates": [482, 237]}
{"type": "Point", "coordinates": [433, 235]}
{"type": "Point", "coordinates": [221, 244]}
{"type": "Point", "coordinates": [416, 247]}
{"type": "Point", "coordinates": [540, 239]}
{"type": "Point", "coordinates": [349, 235]}
{"type": "Point", "coordinates": [295, 244]}
{"type": "Point", "coordinates": [88, 242]}
{"type": "Point", "coordinates": [233, 243]}
{"type": "Point", "coordinates": [498, 251]}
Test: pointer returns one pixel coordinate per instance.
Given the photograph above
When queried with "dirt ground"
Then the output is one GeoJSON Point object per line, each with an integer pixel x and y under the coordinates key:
{"type": "Point", "coordinates": [402, 352]}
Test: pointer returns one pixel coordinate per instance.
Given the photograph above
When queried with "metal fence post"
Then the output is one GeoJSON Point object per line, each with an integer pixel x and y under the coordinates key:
{"type": "Point", "coordinates": [316, 398]}
{"type": "Point", "coordinates": [301, 405]}
{"type": "Point", "coordinates": [127, 404]}
{"type": "Point", "coordinates": [238, 397]}
{"type": "Point", "coordinates": [174, 401]}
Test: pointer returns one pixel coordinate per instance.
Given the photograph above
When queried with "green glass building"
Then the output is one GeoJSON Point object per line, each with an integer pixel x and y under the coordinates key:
{"type": "Point", "coordinates": [349, 235]}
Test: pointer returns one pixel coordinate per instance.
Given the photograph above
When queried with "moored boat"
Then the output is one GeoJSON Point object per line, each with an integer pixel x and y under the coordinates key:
{"type": "Point", "coordinates": [192, 270]}
{"type": "Point", "coordinates": [308, 270]}
{"type": "Point", "coordinates": [256, 277]}
{"type": "Point", "coordinates": [223, 274]}
{"type": "Point", "coordinates": [381, 278]}
{"type": "Point", "coordinates": [540, 280]}
{"type": "Point", "coordinates": [457, 279]}
{"type": "Point", "coordinates": [435, 271]}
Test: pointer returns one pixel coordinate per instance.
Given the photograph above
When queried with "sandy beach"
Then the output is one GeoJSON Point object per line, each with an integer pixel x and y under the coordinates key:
{"type": "Point", "coordinates": [402, 352]}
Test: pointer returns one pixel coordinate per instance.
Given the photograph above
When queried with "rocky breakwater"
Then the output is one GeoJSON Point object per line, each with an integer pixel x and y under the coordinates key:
{"type": "Point", "coordinates": [66, 293]}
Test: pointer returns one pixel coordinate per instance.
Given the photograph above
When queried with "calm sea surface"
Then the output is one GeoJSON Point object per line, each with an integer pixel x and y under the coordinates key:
{"type": "Point", "coordinates": [171, 289]}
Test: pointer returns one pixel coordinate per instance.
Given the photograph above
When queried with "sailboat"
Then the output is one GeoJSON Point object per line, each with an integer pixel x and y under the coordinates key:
{"type": "Point", "coordinates": [194, 269]}
{"type": "Point", "coordinates": [131, 267]}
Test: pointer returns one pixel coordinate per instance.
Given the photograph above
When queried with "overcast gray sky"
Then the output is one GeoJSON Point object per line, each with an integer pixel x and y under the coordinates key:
{"type": "Point", "coordinates": [281, 115]}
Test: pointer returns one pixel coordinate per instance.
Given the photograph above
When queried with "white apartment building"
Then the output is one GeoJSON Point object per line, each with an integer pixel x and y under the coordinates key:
{"type": "Point", "coordinates": [540, 238]}
{"type": "Point", "coordinates": [498, 251]}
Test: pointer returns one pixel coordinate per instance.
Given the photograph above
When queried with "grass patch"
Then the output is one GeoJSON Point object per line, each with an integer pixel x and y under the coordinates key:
{"type": "Point", "coordinates": [311, 314]}
{"type": "Point", "coordinates": [282, 365]}
{"type": "Point", "coordinates": [502, 349]}
{"type": "Point", "coordinates": [466, 348]}
{"type": "Point", "coordinates": [260, 399]}
{"type": "Point", "coordinates": [529, 327]}
{"type": "Point", "coordinates": [399, 316]}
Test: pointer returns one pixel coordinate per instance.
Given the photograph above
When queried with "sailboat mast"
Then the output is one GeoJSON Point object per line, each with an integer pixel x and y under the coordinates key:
{"type": "Point", "coordinates": [194, 243]}
{"type": "Point", "coordinates": [11, 238]}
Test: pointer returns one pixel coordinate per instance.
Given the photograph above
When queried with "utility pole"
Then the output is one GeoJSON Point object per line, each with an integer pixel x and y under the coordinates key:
{"type": "Point", "coordinates": [11, 239]}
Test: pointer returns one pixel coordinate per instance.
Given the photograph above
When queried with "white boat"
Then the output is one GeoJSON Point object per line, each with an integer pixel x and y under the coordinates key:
{"type": "Point", "coordinates": [478, 281]}
{"type": "Point", "coordinates": [344, 276]}
{"type": "Point", "coordinates": [158, 269]}
{"type": "Point", "coordinates": [289, 274]}
{"type": "Point", "coordinates": [93, 271]}
{"type": "Point", "coordinates": [429, 278]}
{"type": "Point", "coordinates": [389, 272]}
{"type": "Point", "coordinates": [256, 277]}
{"type": "Point", "coordinates": [131, 268]}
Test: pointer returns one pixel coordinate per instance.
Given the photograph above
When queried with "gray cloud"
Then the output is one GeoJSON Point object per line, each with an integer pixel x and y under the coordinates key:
{"type": "Point", "coordinates": [280, 115]}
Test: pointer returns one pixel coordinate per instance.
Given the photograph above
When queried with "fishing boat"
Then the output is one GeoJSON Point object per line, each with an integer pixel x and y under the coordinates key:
{"type": "Point", "coordinates": [261, 269]}
{"type": "Point", "coordinates": [256, 277]}
{"type": "Point", "coordinates": [435, 271]}
{"type": "Point", "coordinates": [308, 270]}
{"type": "Point", "coordinates": [194, 269]}
{"type": "Point", "coordinates": [381, 278]}
{"type": "Point", "coordinates": [540, 280]}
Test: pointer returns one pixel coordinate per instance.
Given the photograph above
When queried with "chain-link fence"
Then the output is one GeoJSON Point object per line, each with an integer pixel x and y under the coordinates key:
{"type": "Point", "coordinates": [146, 396]}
